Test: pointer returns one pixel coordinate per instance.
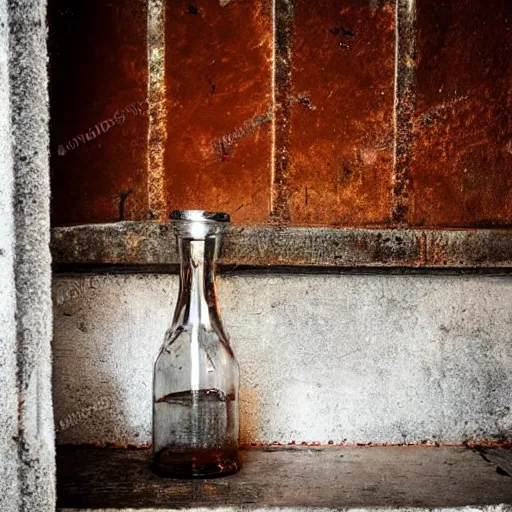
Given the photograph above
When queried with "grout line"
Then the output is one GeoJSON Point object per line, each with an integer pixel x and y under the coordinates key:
{"type": "Point", "coordinates": [274, 109]}
{"type": "Point", "coordinates": [157, 109]}
{"type": "Point", "coordinates": [282, 28]}
{"type": "Point", "coordinates": [404, 107]}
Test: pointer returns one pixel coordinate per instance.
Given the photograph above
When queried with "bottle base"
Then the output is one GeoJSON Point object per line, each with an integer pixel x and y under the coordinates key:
{"type": "Point", "coordinates": [189, 463]}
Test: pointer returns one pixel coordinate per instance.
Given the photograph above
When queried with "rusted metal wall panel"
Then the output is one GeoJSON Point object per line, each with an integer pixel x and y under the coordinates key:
{"type": "Point", "coordinates": [219, 107]}
{"type": "Point", "coordinates": [461, 167]}
{"type": "Point", "coordinates": [98, 90]}
{"type": "Point", "coordinates": [361, 114]}
{"type": "Point", "coordinates": [341, 126]}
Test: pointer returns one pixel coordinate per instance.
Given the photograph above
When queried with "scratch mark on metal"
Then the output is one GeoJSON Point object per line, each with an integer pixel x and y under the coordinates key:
{"type": "Point", "coordinates": [157, 132]}
{"type": "Point", "coordinates": [223, 3]}
{"type": "Point", "coordinates": [137, 108]}
{"type": "Point", "coordinates": [123, 196]}
{"type": "Point", "coordinates": [223, 146]}
{"type": "Point", "coordinates": [435, 113]}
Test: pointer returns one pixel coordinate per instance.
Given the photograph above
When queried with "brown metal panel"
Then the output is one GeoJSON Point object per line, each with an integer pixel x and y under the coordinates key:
{"type": "Point", "coordinates": [219, 106]}
{"type": "Point", "coordinates": [341, 132]}
{"type": "Point", "coordinates": [98, 90]}
{"type": "Point", "coordinates": [461, 168]}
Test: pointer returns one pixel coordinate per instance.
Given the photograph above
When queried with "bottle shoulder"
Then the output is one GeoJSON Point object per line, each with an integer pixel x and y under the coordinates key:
{"type": "Point", "coordinates": [178, 339]}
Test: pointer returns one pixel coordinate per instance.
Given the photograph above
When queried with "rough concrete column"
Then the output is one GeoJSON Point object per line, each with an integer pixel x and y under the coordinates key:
{"type": "Point", "coordinates": [9, 488]}
{"type": "Point", "coordinates": [26, 417]}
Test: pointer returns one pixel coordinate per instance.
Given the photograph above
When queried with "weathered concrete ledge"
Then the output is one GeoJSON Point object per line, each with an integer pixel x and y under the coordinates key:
{"type": "Point", "coordinates": [152, 244]}
{"type": "Point", "coordinates": [329, 478]}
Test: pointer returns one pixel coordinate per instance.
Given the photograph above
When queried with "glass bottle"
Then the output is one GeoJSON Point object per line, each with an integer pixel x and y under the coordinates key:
{"type": "Point", "coordinates": [195, 382]}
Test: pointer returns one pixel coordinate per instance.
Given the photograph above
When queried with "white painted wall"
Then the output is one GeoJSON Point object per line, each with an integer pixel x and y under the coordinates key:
{"type": "Point", "coordinates": [356, 359]}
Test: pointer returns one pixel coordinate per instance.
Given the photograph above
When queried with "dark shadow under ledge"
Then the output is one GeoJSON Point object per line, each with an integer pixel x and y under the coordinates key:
{"type": "Point", "coordinates": [311, 477]}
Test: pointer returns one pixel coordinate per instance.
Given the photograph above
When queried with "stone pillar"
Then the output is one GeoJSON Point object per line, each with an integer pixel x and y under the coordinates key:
{"type": "Point", "coordinates": [27, 480]}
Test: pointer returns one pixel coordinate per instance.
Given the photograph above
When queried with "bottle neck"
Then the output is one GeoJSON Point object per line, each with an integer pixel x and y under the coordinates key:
{"type": "Point", "coordinates": [197, 300]}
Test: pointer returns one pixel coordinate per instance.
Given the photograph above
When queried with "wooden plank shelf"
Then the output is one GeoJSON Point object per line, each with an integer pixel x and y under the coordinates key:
{"type": "Point", "coordinates": [152, 245]}
{"type": "Point", "coordinates": [320, 477]}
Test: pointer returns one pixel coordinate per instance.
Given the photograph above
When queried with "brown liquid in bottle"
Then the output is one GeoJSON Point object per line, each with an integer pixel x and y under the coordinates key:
{"type": "Point", "coordinates": [188, 463]}
{"type": "Point", "coordinates": [203, 416]}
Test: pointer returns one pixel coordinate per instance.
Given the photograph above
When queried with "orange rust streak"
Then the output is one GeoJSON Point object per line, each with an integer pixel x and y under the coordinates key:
{"type": "Point", "coordinates": [305, 445]}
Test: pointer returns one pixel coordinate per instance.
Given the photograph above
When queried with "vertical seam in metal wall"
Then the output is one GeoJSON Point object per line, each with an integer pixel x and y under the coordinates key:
{"type": "Point", "coordinates": [273, 92]}
{"type": "Point", "coordinates": [157, 108]}
{"type": "Point", "coordinates": [283, 13]}
{"type": "Point", "coordinates": [404, 108]}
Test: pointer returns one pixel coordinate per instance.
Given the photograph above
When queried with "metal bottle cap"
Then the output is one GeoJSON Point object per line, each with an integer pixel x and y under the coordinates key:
{"type": "Point", "coordinates": [199, 216]}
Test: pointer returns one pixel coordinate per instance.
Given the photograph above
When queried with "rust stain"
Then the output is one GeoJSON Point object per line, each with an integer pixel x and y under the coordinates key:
{"type": "Point", "coordinates": [250, 402]}
{"type": "Point", "coordinates": [422, 261]}
{"type": "Point", "coordinates": [219, 108]}
{"type": "Point", "coordinates": [132, 246]}
{"type": "Point", "coordinates": [284, 112]}
{"type": "Point", "coordinates": [109, 445]}
{"type": "Point", "coordinates": [307, 444]}
{"type": "Point", "coordinates": [98, 79]}
{"type": "Point", "coordinates": [340, 143]}
{"type": "Point", "coordinates": [181, 490]}
{"type": "Point", "coordinates": [209, 490]}
{"type": "Point", "coordinates": [460, 166]}
{"type": "Point", "coordinates": [427, 444]}
{"type": "Point", "coordinates": [437, 255]}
